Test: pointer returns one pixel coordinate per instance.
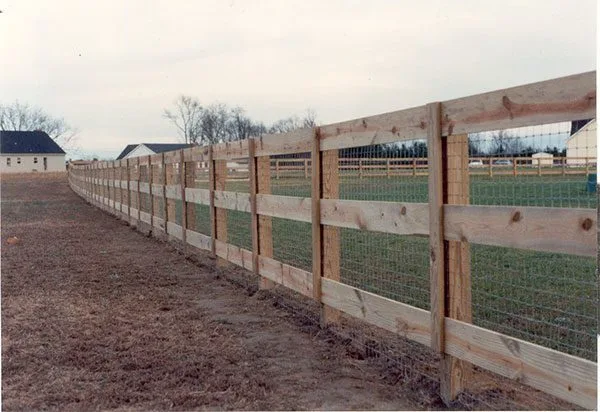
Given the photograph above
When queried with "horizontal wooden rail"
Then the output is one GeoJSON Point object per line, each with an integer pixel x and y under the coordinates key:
{"type": "Point", "coordinates": [545, 229]}
{"type": "Point", "coordinates": [289, 276]}
{"type": "Point", "coordinates": [288, 207]}
{"type": "Point", "coordinates": [232, 200]}
{"type": "Point", "coordinates": [405, 320]}
{"type": "Point", "coordinates": [564, 376]}
{"type": "Point", "coordinates": [388, 217]}
{"type": "Point", "coordinates": [199, 196]}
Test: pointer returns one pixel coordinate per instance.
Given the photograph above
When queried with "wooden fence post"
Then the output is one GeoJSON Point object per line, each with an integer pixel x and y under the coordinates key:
{"type": "Point", "coordinates": [490, 166]}
{"type": "Point", "coordinates": [330, 188]}
{"type": "Point", "coordinates": [220, 179]}
{"type": "Point", "coordinates": [138, 194]}
{"type": "Point", "coordinates": [128, 192]}
{"type": "Point", "coordinates": [150, 195]}
{"type": "Point", "coordinates": [211, 189]}
{"type": "Point", "coordinates": [436, 228]}
{"type": "Point", "coordinates": [163, 167]}
{"type": "Point", "coordinates": [317, 229]}
{"type": "Point", "coordinates": [564, 166]}
{"type": "Point", "coordinates": [253, 210]}
{"type": "Point", "coordinates": [387, 168]}
{"type": "Point", "coordinates": [514, 160]}
{"type": "Point", "coordinates": [265, 223]}
{"type": "Point", "coordinates": [539, 162]}
{"type": "Point", "coordinates": [458, 261]}
{"type": "Point", "coordinates": [414, 165]}
{"type": "Point", "coordinates": [182, 183]}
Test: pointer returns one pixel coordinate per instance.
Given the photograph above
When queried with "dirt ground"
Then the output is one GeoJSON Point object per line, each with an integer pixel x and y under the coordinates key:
{"type": "Point", "coordinates": [97, 316]}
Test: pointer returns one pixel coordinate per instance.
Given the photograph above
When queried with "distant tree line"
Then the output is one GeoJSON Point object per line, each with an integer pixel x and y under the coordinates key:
{"type": "Point", "coordinates": [219, 122]}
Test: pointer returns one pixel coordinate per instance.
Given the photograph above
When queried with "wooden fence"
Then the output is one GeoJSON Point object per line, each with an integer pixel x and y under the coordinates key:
{"type": "Point", "coordinates": [448, 219]}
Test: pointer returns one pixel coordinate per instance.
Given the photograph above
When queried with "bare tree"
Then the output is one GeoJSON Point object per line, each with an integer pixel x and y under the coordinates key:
{"type": "Point", "coordinates": [187, 118]}
{"type": "Point", "coordinates": [505, 143]}
{"type": "Point", "coordinates": [294, 122]}
{"type": "Point", "coordinates": [214, 124]}
{"type": "Point", "coordinates": [23, 117]}
{"type": "Point", "coordinates": [240, 126]}
{"type": "Point", "coordinates": [310, 118]}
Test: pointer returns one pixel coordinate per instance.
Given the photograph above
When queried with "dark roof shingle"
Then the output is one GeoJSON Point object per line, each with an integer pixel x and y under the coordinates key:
{"type": "Point", "coordinates": [12, 141]}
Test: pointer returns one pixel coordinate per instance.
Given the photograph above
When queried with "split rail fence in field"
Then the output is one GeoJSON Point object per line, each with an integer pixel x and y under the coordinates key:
{"type": "Point", "coordinates": [415, 267]}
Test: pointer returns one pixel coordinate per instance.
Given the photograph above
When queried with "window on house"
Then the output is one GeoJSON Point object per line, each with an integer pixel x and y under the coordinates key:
{"type": "Point", "coordinates": [18, 160]}
{"type": "Point", "coordinates": [35, 160]}
{"type": "Point", "coordinates": [8, 161]}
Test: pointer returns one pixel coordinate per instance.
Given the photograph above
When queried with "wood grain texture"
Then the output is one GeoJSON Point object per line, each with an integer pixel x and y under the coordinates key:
{"type": "Point", "coordinates": [316, 228]}
{"type": "Point", "coordinates": [150, 192]}
{"type": "Point", "coordinates": [175, 230]}
{"type": "Point", "coordinates": [436, 227]}
{"type": "Point", "coordinates": [545, 229]}
{"type": "Point", "coordinates": [386, 217]}
{"type": "Point", "coordinates": [331, 243]}
{"type": "Point", "coordinates": [551, 101]}
{"type": "Point", "coordinates": [265, 223]}
{"type": "Point", "coordinates": [253, 209]}
{"type": "Point", "coordinates": [234, 254]}
{"type": "Point", "coordinates": [231, 150]}
{"type": "Point", "coordinates": [198, 196]}
{"type": "Point", "coordinates": [220, 214]}
{"type": "Point", "coordinates": [390, 127]}
{"type": "Point", "coordinates": [405, 320]}
{"type": "Point", "coordinates": [297, 141]}
{"type": "Point", "coordinates": [291, 277]}
{"type": "Point", "coordinates": [198, 240]}
{"type": "Point", "coordinates": [232, 200]}
{"type": "Point", "coordinates": [455, 372]}
{"type": "Point", "coordinates": [213, 211]}
{"type": "Point", "coordinates": [567, 377]}
{"type": "Point", "coordinates": [163, 169]}
{"type": "Point", "coordinates": [287, 207]}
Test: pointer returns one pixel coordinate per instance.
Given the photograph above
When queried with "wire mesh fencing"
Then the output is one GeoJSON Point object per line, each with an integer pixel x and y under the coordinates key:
{"type": "Point", "coordinates": [545, 298]}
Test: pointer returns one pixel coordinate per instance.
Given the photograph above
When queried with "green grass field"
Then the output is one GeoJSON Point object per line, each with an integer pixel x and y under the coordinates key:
{"type": "Point", "coordinates": [546, 298]}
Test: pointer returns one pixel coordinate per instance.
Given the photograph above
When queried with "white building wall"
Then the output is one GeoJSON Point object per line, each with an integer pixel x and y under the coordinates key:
{"type": "Point", "coordinates": [546, 159]}
{"type": "Point", "coordinates": [140, 150]}
{"type": "Point", "coordinates": [582, 144]}
{"type": "Point", "coordinates": [26, 163]}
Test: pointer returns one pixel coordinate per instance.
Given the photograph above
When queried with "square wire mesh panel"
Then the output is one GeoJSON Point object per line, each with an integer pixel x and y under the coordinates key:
{"type": "Point", "coordinates": [394, 266]}
{"type": "Point", "coordinates": [145, 205]}
{"type": "Point", "coordinates": [198, 218]}
{"type": "Point", "coordinates": [546, 298]}
{"type": "Point", "coordinates": [290, 175]}
{"type": "Point", "coordinates": [173, 205]}
{"type": "Point", "coordinates": [134, 173]}
{"type": "Point", "coordinates": [239, 224]}
{"type": "Point", "coordinates": [157, 196]}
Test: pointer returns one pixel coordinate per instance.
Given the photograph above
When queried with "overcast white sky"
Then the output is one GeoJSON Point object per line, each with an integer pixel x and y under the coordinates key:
{"type": "Point", "coordinates": [111, 67]}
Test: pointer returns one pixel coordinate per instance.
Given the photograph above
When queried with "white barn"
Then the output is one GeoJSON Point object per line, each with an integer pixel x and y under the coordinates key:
{"type": "Point", "coordinates": [25, 152]}
{"type": "Point", "coordinates": [582, 144]}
